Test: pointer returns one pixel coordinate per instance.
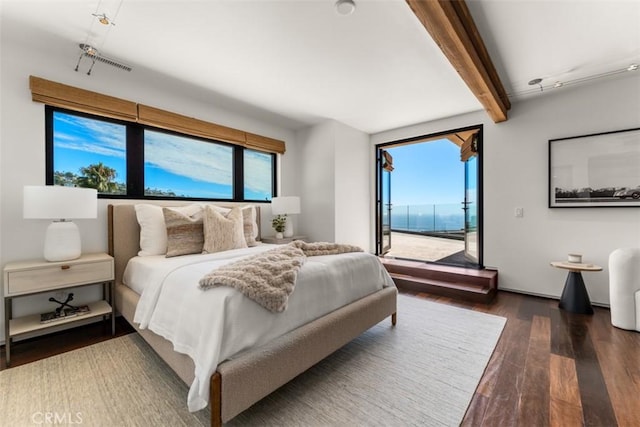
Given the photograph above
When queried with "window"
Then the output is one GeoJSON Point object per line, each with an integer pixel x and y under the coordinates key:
{"type": "Point", "coordinates": [127, 159]}
{"type": "Point", "coordinates": [89, 153]}
{"type": "Point", "coordinates": [258, 175]}
{"type": "Point", "coordinates": [202, 169]}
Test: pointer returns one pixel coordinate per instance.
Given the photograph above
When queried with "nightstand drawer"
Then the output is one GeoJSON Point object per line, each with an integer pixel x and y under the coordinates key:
{"type": "Point", "coordinates": [58, 276]}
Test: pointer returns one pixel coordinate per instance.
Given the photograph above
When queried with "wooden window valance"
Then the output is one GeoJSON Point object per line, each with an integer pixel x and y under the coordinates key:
{"type": "Point", "coordinates": [263, 143]}
{"type": "Point", "coordinates": [72, 98]}
{"type": "Point", "coordinates": [171, 121]}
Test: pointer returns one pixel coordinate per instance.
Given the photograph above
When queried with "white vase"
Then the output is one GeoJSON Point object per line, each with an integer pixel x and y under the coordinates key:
{"type": "Point", "coordinates": [279, 235]}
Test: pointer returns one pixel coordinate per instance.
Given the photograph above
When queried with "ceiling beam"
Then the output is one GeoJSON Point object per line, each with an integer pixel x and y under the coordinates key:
{"type": "Point", "coordinates": [451, 26]}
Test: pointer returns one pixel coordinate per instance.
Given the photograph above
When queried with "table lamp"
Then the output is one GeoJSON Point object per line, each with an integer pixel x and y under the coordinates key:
{"type": "Point", "coordinates": [62, 241]}
{"type": "Point", "coordinates": [288, 205]}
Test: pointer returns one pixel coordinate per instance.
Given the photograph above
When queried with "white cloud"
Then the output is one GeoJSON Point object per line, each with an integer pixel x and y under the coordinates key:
{"type": "Point", "coordinates": [259, 166]}
{"type": "Point", "coordinates": [94, 136]}
{"type": "Point", "coordinates": [190, 158]}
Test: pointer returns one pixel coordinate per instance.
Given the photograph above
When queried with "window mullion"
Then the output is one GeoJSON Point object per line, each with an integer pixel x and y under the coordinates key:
{"type": "Point", "coordinates": [135, 161]}
{"type": "Point", "coordinates": [238, 173]}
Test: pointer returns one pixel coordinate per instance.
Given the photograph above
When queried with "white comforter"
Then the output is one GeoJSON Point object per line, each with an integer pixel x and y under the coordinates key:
{"type": "Point", "coordinates": [213, 325]}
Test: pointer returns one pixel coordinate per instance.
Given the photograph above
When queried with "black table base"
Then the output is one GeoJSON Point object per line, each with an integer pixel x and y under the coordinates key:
{"type": "Point", "coordinates": [574, 295]}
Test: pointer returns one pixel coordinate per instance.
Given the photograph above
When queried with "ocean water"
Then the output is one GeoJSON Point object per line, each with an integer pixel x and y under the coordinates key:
{"type": "Point", "coordinates": [428, 218]}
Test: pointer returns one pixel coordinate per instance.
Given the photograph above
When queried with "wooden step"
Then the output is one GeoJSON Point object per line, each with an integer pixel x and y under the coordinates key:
{"type": "Point", "coordinates": [484, 290]}
{"type": "Point", "coordinates": [454, 282]}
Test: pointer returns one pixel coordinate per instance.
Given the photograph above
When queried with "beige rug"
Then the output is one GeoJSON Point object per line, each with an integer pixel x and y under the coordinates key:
{"type": "Point", "coordinates": [422, 372]}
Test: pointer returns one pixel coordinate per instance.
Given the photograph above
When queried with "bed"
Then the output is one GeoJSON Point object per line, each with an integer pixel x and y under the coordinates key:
{"type": "Point", "coordinates": [242, 380]}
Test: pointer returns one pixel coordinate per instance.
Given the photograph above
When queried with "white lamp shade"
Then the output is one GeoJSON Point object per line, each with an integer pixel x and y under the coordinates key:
{"type": "Point", "coordinates": [285, 205]}
{"type": "Point", "coordinates": [57, 202]}
{"type": "Point", "coordinates": [62, 241]}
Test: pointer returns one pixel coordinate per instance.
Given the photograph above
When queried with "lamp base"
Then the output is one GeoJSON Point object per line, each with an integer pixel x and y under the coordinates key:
{"type": "Point", "coordinates": [288, 228]}
{"type": "Point", "coordinates": [62, 241]}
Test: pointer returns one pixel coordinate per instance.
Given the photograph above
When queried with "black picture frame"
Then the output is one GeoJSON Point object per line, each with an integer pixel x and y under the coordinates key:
{"type": "Point", "coordinates": [596, 170]}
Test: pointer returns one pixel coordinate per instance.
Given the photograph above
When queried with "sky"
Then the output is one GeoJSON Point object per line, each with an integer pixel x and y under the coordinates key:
{"type": "Point", "coordinates": [79, 142]}
{"type": "Point", "coordinates": [200, 170]}
{"type": "Point", "coordinates": [427, 173]}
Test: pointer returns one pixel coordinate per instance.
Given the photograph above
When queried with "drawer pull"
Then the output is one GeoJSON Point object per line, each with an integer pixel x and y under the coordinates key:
{"type": "Point", "coordinates": [65, 267]}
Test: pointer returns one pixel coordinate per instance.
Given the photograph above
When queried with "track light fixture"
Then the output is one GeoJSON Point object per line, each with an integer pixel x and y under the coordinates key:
{"type": "Point", "coordinates": [558, 83]}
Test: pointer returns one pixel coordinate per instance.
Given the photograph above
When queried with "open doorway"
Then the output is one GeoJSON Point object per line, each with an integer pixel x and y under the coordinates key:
{"type": "Point", "coordinates": [429, 205]}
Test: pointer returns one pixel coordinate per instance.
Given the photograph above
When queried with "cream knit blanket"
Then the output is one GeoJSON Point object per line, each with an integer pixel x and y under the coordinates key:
{"type": "Point", "coordinates": [269, 278]}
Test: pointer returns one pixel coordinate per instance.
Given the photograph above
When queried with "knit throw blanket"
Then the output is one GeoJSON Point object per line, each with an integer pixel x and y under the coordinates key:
{"type": "Point", "coordinates": [269, 278]}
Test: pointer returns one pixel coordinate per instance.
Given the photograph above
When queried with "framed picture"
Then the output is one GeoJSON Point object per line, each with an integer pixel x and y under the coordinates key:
{"type": "Point", "coordinates": [595, 170]}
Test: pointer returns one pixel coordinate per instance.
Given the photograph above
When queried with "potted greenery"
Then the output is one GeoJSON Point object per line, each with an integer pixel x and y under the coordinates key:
{"type": "Point", "coordinates": [278, 223]}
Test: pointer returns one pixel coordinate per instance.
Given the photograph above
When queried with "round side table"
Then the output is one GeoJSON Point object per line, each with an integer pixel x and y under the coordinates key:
{"type": "Point", "coordinates": [575, 297]}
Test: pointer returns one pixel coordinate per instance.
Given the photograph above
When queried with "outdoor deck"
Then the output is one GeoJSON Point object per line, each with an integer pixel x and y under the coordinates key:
{"type": "Point", "coordinates": [423, 248]}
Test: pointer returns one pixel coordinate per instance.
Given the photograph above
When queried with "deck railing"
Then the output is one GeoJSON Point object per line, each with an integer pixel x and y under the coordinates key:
{"type": "Point", "coordinates": [436, 218]}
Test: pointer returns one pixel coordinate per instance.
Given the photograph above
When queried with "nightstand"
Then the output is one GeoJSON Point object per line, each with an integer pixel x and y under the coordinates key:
{"type": "Point", "coordinates": [33, 277]}
{"type": "Point", "coordinates": [284, 241]}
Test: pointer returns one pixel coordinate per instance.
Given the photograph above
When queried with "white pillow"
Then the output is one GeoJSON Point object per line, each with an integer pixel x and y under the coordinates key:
{"type": "Point", "coordinates": [153, 231]}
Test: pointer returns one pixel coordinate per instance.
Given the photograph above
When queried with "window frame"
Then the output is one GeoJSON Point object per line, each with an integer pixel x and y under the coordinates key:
{"type": "Point", "coordinates": [135, 159]}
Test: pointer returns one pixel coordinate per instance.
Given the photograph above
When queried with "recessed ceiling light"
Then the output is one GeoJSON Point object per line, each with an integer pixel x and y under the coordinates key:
{"type": "Point", "coordinates": [632, 67]}
{"type": "Point", "coordinates": [345, 7]}
{"type": "Point", "coordinates": [558, 84]}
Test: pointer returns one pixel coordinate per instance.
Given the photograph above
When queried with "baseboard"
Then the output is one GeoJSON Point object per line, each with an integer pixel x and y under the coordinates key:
{"type": "Point", "coordinates": [554, 297]}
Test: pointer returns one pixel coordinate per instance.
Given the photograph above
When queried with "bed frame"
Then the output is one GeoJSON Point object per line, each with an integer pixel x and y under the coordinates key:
{"type": "Point", "coordinates": [242, 381]}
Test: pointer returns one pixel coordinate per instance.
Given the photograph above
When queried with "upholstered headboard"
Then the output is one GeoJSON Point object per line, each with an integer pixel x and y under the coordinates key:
{"type": "Point", "coordinates": [124, 233]}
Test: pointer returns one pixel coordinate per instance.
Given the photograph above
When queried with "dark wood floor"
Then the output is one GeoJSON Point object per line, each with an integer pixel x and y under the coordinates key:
{"type": "Point", "coordinates": [550, 368]}
{"type": "Point", "coordinates": [553, 368]}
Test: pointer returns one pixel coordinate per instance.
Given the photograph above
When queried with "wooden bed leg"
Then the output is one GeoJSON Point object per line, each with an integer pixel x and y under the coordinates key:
{"type": "Point", "coordinates": [394, 318]}
{"type": "Point", "coordinates": [215, 399]}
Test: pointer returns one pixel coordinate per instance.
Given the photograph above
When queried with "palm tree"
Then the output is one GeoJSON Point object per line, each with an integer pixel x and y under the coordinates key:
{"type": "Point", "coordinates": [98, 176]}
{"type": "Point", "coordinates": [66, 179]}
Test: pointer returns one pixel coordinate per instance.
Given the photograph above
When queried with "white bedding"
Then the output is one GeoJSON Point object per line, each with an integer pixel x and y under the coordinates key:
{"type": "Point", "coordinates": [213, 325]}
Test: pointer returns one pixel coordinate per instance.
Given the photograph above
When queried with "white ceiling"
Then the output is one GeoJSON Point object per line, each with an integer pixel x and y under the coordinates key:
{"type": "Point", "coordinates": [374, 70]}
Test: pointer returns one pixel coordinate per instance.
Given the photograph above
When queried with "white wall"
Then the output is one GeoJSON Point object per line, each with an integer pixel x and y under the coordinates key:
{"type": "Point", "coordinates": [316, 150]}
{"type": "Point", "coordinates": [352, 186]}
{"type": "Point", "coordinates": [22, 138]}
{"type": "Point", "coordinates": [335, 186]}
{"type": "Point", "coordinates": [516, 175]}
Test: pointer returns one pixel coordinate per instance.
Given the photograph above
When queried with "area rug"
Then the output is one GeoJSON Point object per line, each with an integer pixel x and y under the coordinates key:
{"type": "Point", "coordinates": [422, 372]}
